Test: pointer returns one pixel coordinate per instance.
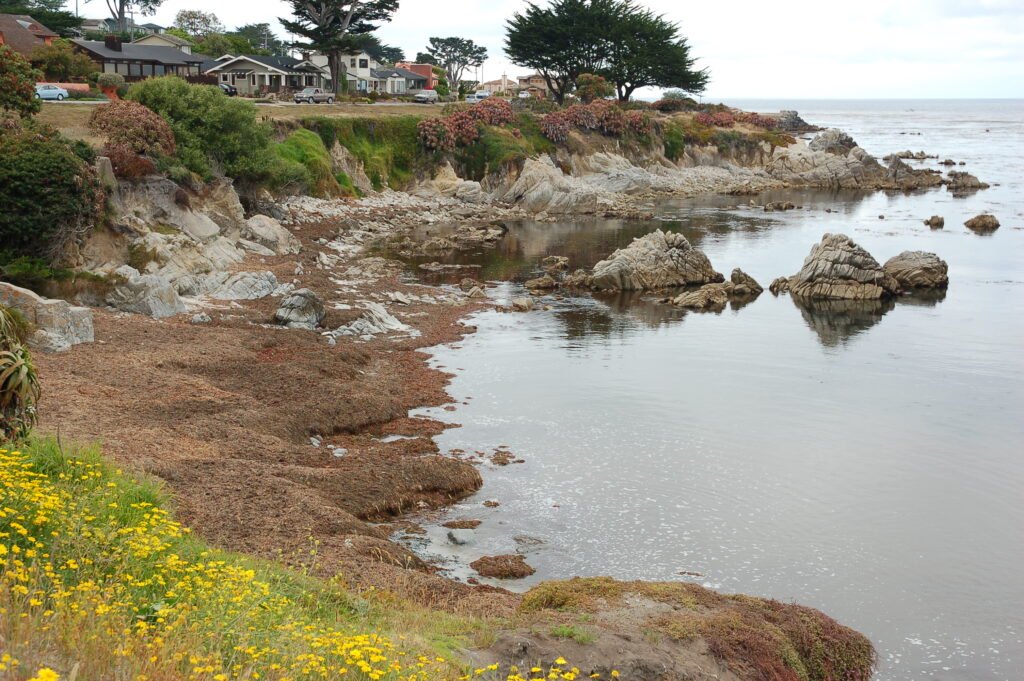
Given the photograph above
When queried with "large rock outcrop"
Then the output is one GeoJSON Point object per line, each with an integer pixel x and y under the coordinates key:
{"type": "Point", "coordinates": [541, 186]}
{"type": "Point", "coordinates": [833, 141]}
{"type": "Point", "coordinates": [654, 261]}
{"type": "Point", "coordinates": [837, 268]}
{"type": "Point", "coordinates": [57, 325]}
{"type": "Point", "coordinates": [147, 294]}
{"type": "Point", "coordinates": [914, 270]}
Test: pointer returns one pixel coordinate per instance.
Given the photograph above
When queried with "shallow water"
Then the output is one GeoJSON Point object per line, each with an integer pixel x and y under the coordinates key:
{"type": "Point", "coordinates": [865, 460]}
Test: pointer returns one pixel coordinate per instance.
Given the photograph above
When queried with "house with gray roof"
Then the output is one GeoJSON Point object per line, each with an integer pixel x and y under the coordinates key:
{"type": "Point", "coordinates": [260, 75]}
{"type": "Point", "coordinates": [137, 61]}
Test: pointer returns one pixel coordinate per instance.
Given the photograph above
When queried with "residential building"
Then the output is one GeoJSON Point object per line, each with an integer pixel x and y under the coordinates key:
{"type": "Point", "coordinates": [109, 25]}
{"type": "Point", "coordinates": [395, 81]}
{"type": "Point", "coordinates": [425, 70]}
{"type": "Point", "coordinates": [23, 34]}
{"type": "Point", "coordinates": [258, 74]}
{"type": "Point", "coordinates": [535, 85]}
{"type": "Point", "coordinates": [138, 62]}
{"type": "Point", "coordinates": [502, 86]}
{"type": "Point", "coordinates": [165, 40]}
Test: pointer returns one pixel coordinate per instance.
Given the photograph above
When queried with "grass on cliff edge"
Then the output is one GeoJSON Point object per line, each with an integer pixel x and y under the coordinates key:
{"type": "Point", "coordinates": [98, 582]}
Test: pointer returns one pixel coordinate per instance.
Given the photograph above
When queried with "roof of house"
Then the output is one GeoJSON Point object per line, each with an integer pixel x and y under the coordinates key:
{"type": "Point", "coordinates": [282, 64]}
{"type": "Point", "coordinates": [166, 37]}
{"type": "Point", "coordinates": [133, 52]}
{"type": "Point", "coordinates": [22, 33]}
{"type": "Point", "coordinates": [154, 27]}
{"type": "Point", "coordinates": [396, 73]}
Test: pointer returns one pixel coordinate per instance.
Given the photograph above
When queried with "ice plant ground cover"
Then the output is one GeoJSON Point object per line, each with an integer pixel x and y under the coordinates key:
{"type": "Point", "coordinates": [98, 581]}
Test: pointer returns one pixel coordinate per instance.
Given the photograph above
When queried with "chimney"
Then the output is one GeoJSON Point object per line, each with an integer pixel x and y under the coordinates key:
{"type": "Point", "coordinates": [112, 42]}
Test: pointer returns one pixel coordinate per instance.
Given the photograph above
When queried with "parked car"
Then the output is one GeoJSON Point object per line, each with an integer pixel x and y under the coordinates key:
{"type": "Point", "coordinates": [478, 96]}
{"type": "Point", "coordinates": [47, 91]}
{"type": "Point", "coordinates": [524, 94]}
{"type": "Point", "coordinates": [229, 90]}
{"type": "Point", "coordinates": [426, 97]}
{"type": "Point", "coordinates": [314, 95]}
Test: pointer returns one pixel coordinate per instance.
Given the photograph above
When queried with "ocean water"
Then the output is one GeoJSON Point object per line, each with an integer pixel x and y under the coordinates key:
{"type": "Point", "coordinates": [867, 460]}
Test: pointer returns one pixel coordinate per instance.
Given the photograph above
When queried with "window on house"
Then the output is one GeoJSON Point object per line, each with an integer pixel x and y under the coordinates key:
{"type": "Point", "coordinates": [159, 70]}
{"type": "Point", "coordinates": [224, 77]}
{"type": "Point", "coordinates": [364, 63]}
{"type": "Point", "coordinates": [122, 68]}
{"type": "Point", "coordinates": [252, 79]}
{"type": "Point", "coordinates": [352, 62]}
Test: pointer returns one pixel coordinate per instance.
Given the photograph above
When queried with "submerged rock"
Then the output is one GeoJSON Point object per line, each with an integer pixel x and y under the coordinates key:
{"type": "Point", "coordinates": [837, 268]}
{"type": "Point", "coordinates": [512, 566]}
{"type": "Point", "coordinates": [936, 222]}
{"type": "Point", "coordinates": [544, 283]}
{"type": "Point", "coordinates": [983, 223]}
{"type": "Point", "coordinates": [522, 304]}
{"type": "Point", "coordinates": [301, 309]}
{"type": "Point", "coordinates": [962, 183]}
{"type": "Point", "coordinates": [744, 284]}
{"type": "Point", "coordinates": [707, 297]}
{"type": "Point", "coordinates": [917, 270]}
{"type": "Point", "coordinates": [654, 261]}
{"type": "Point", "coordinates": [779, 285]}
{"type": "Point", "coordinates": [57, 324]}
{"type": "Point", "coordinates": [554, 263]}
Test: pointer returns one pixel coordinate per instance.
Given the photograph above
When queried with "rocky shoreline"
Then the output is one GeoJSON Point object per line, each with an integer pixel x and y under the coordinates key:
{"type": "Point", "coordinates": [268, 359]}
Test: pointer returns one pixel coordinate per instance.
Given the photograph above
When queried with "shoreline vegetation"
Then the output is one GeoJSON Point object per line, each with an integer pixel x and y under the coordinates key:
{"type": "Point", "coordinates": [275, 443]}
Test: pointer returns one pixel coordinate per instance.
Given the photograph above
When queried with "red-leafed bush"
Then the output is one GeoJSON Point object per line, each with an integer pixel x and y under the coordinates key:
{"type": "Point", "coordinates": [127, 164]}
{"type": "Point", "coordinates": [132, 126]}
{"type": "Point", "coordinates": [582, 116]}
{"type": "Point", "coordinates": [611, 120]}
{"type": "Point", "coordinates": [462, 125]}
{"type": "Point", "coordinates": [435, 134]}
{"type": "Point", "coordinates": [555, 126]}
{"type": "Point", "coordinates": [493, 111]}
{"type": "Point", "coordinates": [638, 122]}
{"type": "Point", "coordinates": [756, 119]}
{"type": "Point", "coordinates": [720, 119]}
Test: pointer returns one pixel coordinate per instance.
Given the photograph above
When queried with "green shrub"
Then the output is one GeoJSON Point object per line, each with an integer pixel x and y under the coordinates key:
{"type": "Point", "coordinates": [51, 198]}
{"type": "Point", "coordinates": [109, 80]}
{"type": "Point", "coordinates": [213, 132]}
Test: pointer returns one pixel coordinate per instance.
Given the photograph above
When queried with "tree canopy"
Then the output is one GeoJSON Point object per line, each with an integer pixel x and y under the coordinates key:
{"type": "Point", "coordinates": [628, 45]}
{"type": "Point", "coordinates": [49, 13]}
{"type": "Point", "coordinates": [17, 83]}
{"type": "Point", "coordinates": [197, 23]}
{"type": "Point", "coordinates": [454, 55]}
{"type": "Point", "coordinates": [328, 25]}
{"type": "Point", "coordinates": [119, 10]}
{"type": "Point", "coordinates": [60, 62]}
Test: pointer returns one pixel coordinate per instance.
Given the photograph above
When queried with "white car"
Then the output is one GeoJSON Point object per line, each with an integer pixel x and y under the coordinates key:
{"type": "Point", "coordinates": [523, 94]}
{"type": "Point", "coordinates": [478, 96]}
{"type": "Point", "coordinates": [47, 91]}
{"type": "Point", "coordinates": [426, 97]}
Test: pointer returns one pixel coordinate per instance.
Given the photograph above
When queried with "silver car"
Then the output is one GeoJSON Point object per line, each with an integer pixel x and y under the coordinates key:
{"type": "Point", "coordinates": [426, 97]}
{"type": "Point", "coordinates": [47, 91]}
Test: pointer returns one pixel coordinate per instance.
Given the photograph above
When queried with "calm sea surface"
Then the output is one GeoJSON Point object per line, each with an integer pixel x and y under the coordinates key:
{"type": "Point", "coordinates": [866, 460]}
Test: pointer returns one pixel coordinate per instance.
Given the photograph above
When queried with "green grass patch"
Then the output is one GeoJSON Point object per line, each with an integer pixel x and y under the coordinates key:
{"type": "Point", "coordinates": [387, 147]}
{"type": "Point", "coordinates": [572, 632]}
{"type": "Point", "coordinates": [303, 149]}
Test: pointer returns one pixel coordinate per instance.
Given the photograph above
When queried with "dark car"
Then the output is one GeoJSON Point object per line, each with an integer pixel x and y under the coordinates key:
{"type": "Point", "coordinates": [229, 90]}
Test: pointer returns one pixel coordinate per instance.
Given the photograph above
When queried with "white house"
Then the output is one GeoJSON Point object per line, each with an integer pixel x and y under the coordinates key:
{"type": "Point", "coordinates": [165, 40]}
{"type": "Point", "coordinates": [258, 74]}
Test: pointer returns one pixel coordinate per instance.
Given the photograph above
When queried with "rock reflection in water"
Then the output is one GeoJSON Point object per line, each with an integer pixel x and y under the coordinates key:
{"type": "Point", "coordinates": [837, 321]}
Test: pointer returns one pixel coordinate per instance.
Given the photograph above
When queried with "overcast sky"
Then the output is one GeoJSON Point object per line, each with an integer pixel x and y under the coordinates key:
{"type": "Point", "coordinates": [756, 49]}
